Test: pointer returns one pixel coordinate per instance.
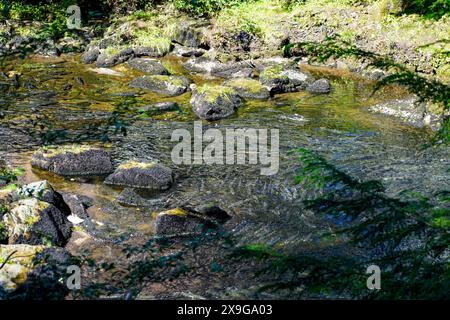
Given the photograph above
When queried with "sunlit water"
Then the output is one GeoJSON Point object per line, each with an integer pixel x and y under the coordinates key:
{"type": "Point", "coordinates": [64, 94]}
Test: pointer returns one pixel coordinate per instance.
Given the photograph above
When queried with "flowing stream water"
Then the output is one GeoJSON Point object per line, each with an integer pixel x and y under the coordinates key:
{"type": "Point", "coordinates": [62, 93]}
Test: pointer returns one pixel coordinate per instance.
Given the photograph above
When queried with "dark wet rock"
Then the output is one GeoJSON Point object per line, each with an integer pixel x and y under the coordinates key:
{"type": "Point", "coordinates": [31, 221]}
{"type": "Point", "coordinates": [280, 80]}
{"type": "Point", "coordinates": [43, 191]}
{"type": "Point", "coordinates": [158, 108]}
{"type": "Point", "coordinates": [249, 88]}
{"type": "Point", "coordinates": [183, 51]}
{"type": "Point", "coordinates": [150, 66]}
{"type": "Point", "coordinates": [319, 86]}
{"type": "Point", "coordinates": [214, 102]}
{"type": "Point", "coordinates": [90, 56]}
{"type": "Point", "coordinates": [73, 161]}
{"type": "Point", "coordinates": [411, 111]}
{"type": "Point", "coordinates": [210, 211]}
{"type": "Point", "coordinates": [219, 69]}
{"type": "Point", "coordinates": [105, 60]}
{"type": "Point", "coordinates": [177, 222]}
{"type": "Point", "coordinates": [166, 85]}
{"type": "Point", "coordinates": [143, 175]}
{"type": "Point", "coordinates": [131, 197]}
{"type": "Point", "coordinates": [77, 205]}
{"type": "Point", "coordinates": [184, 221]}
{"type": "Point", "coordinates": [33, 272]}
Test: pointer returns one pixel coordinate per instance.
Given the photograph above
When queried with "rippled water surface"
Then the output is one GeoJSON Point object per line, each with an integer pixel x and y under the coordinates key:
{"type": "Point", "coordinates": [64, 94]}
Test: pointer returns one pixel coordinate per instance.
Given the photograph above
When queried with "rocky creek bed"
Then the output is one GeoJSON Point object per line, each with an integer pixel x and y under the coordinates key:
{"type": "Point", "coordinates": [114, 199]}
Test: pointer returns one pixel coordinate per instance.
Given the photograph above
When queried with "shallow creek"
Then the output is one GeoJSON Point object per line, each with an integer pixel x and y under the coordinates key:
{"type": "Point", "coordinates": [65, 94]}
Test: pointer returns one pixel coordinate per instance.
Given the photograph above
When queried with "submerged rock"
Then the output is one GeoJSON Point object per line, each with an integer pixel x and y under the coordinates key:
{"type": "Point", "coordinates": [158, 108]}
{"type": "Point", "coordinates": [214, 102]}
{"type": "Point", "coordinates": [33, 272]}
{"type": "Point", "coordinates": [143, 175]}
{"type": "Point", "coordinates": [249, 88]}
{"type": "Point", "coordinates": [411, 111]}
{"type": "Point", "coordinates": [130, 197]}
{"type": "Point", "coordinates": [73, 161]}
{"type": "Point", "coordinates": [150, 66]}
{"type": "Point", "coordinates": [280, 80]}
{"type": "Point", "coordinates": [186, 221]}
{"type": "Point", "coordinates": [319, 86]}
{"type": "Point", "coordinates": [31, 221]}
{"type": "Point", "coordinates": [166, 85]}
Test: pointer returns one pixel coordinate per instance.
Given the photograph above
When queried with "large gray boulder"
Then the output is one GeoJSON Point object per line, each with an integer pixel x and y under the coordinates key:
{"type": "Point", "coordinates": [165, 85]}
{"type": "Point", "coordinates": [73, 161]}
{"type": "Point", "coordinates": [31, 221]}
{"type": "Point", "coordinates": [214, 102]}
{"type": "Point", "coordinates": [149, 66]}
{"type": "Point", "coordinates": [142, 175]}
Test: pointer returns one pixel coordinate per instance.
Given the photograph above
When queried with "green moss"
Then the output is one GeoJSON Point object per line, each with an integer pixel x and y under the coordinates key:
{"type": "Point", "coordinates": [249, 85]}
{"type": "Point", "coordinates": [272, 72]}
{"type": "Point", "coordinates": [134, 164]}
{"type": "Point", "coordinates": [212, 92]}
{"type": "Point", "coordinates": [54, 151]}
{"type": "Point", "coordinates": [177, 212]}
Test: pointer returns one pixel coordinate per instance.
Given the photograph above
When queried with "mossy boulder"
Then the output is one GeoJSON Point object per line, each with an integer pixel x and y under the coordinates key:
{"type": "Point", "coordinates": [142, 175]}
{"type": "Point", "coordinates": [249, 88]}
{"type": "Point", "coordinates": [162, 84]}
{"type": "Point", "coordinates": [33, 272]}
{"type": "Point", "coordinates": [73, 160]}
{"type": "Point", "coordinates": [149, 66]}
{"type": "Point", "coordinates": [107, 60]}
{"type": "Point", "coordinates": [277, 79]}
{"type": "Point", "coordinates": [214, 102]}
{"type": "Point", "coordinates": [31, 221]}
